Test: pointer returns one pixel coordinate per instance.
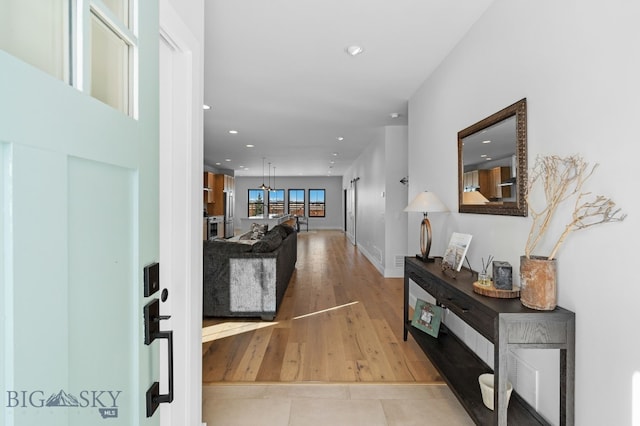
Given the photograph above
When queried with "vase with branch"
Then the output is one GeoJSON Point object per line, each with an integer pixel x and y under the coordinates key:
{"type": "Point", "coordinates": [558, 181]}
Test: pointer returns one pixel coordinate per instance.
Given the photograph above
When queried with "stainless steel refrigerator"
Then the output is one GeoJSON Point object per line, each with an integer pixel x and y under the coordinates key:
{"type": "Point", "coordinates": [228, 214]}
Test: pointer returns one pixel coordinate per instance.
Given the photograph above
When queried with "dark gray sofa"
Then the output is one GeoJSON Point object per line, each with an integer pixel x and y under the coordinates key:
{"type": "Point", "coordinates": [244, 280]}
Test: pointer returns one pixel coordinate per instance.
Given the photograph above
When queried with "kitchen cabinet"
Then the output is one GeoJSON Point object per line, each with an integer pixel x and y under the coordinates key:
{"type": "Point", "coordinates": [471, 180]}
{"type": "Point", "coordinates": [207, 191]}
{"type": "Point", "coordinates": [489, 183]}
{"type": "Point", "coordinates": [499, 175]}
{"type": "Point", "coordinates": [229, 183]}
{"type": "Point", "coordinates": [484, 183]}
{"type": "Point", "coordinates": [218, 195]}
{"type": "Point", "coordinates": [220, 186]}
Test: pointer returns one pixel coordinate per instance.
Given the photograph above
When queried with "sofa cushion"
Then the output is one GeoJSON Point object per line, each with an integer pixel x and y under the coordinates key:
{"type": "Point", "coordinates": [268, 243]}
{"type": "Point", "coordinates": [258, 231]}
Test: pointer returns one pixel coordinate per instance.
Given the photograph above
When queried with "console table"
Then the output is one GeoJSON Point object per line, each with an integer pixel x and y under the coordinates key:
{"type": "Point", "coordinates": [504, 322]}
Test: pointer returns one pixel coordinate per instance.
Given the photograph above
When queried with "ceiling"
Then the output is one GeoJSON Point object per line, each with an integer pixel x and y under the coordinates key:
{"type": "Point", "coordinates": [277, 72]}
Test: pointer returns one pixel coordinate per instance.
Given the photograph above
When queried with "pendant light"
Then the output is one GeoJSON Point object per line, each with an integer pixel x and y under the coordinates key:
{"type": "Point", "coordinates": [263, 186]}
{"type": "Point", "coordinates": [268, 188]}
{"type": "Point", "coordinates": [274, 178]}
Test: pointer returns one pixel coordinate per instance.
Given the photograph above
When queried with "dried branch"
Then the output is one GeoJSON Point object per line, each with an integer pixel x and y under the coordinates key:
{"type": "Point", "coordinates": [600, 210]}
{"type": "Point", "coordinates": [561, 179]}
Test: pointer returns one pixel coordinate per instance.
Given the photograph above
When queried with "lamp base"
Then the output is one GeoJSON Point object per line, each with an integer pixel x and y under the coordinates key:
{"type": "Point", "coordinates": [425, 259]}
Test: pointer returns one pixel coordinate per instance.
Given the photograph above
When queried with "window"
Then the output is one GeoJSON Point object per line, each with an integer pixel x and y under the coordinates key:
{"type": "Point", "coordinates": [111, 49]}
{"type": "Point", "coordinates": [120, 8]}
{"type": "Point", "coordinates": [37, 32]}
{"type": "Point", "coordinates": [276, 201]}
{"type": "Point", "coordinates": [296, 202]}
{"type": "Point", "coordinates": [109, 66]}
{"type": "Point", "coordinates": [89, 44]}
{"type": "Point", "coordinates": [256, 202]}
{"type": "Point", "coordinates": [316, 203]}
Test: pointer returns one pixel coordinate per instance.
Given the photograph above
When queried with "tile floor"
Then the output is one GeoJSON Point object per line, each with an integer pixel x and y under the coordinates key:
{"type": "Point", "coordinates": [283, 404]}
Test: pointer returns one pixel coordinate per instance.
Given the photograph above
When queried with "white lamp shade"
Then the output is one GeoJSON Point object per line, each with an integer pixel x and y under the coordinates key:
{"type": "Point", "coordinates": [426, 202]}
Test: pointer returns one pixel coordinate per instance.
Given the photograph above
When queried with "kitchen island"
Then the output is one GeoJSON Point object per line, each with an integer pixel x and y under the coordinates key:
{"type": "Point", "coordinates": [270, 220]}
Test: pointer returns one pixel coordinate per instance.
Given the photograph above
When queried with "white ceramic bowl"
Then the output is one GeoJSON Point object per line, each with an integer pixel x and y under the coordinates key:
{"type": "Point", "coordinates": [486, 387]}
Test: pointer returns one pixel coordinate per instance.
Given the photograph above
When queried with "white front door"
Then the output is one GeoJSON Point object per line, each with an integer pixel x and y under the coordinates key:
{"type": "Point", "coordinates": [78, 223]}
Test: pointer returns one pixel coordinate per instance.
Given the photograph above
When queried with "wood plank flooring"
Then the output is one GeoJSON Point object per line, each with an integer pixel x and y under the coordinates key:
{"type": "Point", "coordinates": [340, 321]}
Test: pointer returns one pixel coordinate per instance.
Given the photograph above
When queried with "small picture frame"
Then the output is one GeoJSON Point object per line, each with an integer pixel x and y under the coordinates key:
{"type": "Point", "coordinates": [427, 317]}
{"type": "Point", "coordinates": [456, 251]}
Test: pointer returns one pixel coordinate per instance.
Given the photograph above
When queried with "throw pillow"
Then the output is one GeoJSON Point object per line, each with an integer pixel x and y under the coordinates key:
{"type": "Point", "coordinates": [258, 231]}
{"type": "Point", "coordinates": [280, 230]}
{"type": "Point", "coordinates": [268, 243]}
{"type": "Point", "coordinates": [288, 228]}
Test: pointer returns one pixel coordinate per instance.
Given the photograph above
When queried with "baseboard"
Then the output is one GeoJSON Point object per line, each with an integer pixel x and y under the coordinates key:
{"type": "Point", "coordinates": [394, 272]}
{"type": "Point", "coordinates": [377, 264]}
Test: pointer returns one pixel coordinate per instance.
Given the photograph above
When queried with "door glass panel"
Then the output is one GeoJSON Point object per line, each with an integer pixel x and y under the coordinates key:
{"type": "Point", "coordinates": [36, 31]}
{"type": "Point", "coordinates": [109, 66]}
{"type": "Point", "coordinates": [120, 8]}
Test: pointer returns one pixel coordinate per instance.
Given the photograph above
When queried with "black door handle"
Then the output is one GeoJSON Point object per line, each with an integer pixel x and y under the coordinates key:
{"type": "Point", "coordinates": [152, 332]}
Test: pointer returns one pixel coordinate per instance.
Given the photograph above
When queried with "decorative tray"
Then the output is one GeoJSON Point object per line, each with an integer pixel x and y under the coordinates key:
{"type": "Point", "coordinates": [491, 291]}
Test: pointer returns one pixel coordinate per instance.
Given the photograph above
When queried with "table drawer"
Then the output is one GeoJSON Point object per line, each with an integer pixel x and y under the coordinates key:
{"type": "Point", "coordinates": [470, 313]}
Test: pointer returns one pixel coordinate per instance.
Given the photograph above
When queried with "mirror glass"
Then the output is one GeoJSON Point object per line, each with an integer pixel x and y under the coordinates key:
{"type": "Point", "coordinates": [492, 163]}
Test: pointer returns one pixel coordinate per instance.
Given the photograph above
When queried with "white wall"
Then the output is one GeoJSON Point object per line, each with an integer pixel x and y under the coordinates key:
{"type": "Point", "coordinates": [333, 197]}
{"type": "Point", "coordinates": [192, 14]}
{"type": "Point", "coordinates": [381, 224]}
{"type": "Point", "coordinates": [395, 168]}
{"type": "Point", "coordinates": [577, 63]}
{"type": "Point", "coordinates": [370, 209]}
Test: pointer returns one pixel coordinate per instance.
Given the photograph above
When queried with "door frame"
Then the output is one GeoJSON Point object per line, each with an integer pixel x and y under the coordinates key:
{"type": "Point", "coordinates": [181, 239]}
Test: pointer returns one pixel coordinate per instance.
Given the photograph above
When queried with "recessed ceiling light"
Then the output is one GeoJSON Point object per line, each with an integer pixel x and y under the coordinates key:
{"type": "Point", "coordinates": [394, 115]}
{"type": "Point", "coordinates": [227, 159]}
{"type": "Point", "coordinates": [233, 132]}
{"type": "Point", "coordinates": [354, 50]}
{"type": "Point", "coordinates": [340, 138]}
{"type": "Point", "coordinates": [486, 141]}
{"type": "Point", "coordinates": [206, 107]}
{"type": "Point", "coordinates": [217, 164]}
{"type": "Point", "coordinates": [250, 146]}
{"type": "Point", "coordinates": [335, 154]}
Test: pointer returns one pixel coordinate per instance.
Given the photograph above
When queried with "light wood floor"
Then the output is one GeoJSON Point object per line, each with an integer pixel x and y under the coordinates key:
{"type": "Point", "coordinates": [340, 321]}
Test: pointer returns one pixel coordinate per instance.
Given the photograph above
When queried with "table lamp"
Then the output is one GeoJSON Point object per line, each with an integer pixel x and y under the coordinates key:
{"type": "Point", "coordinates": [425, 202]}
{"type": "Point", "coordinates": [473, 197]}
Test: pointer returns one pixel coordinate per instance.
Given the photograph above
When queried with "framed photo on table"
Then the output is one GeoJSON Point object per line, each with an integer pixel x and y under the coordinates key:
{"type": "Point", "coordinates": [427, 317]}
{"type": "Point", "coordinates": [456, 251]}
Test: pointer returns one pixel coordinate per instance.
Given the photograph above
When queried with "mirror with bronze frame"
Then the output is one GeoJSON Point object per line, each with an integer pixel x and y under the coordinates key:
{"type": "Point", "coordinates": [492, 163]}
